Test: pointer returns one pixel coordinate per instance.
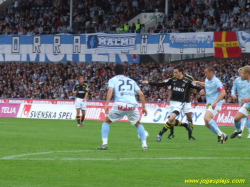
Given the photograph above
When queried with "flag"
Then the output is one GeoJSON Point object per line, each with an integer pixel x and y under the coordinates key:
{"type": "Point", "coordinates": [226, 45]}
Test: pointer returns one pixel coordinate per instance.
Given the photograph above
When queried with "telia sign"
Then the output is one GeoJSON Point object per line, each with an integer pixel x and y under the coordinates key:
{"type": "Point", "coordinates": [9, 110]}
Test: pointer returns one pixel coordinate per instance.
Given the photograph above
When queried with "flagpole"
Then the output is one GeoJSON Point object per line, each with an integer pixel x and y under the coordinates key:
{"type": "Point", "coordinates": [71, 13]}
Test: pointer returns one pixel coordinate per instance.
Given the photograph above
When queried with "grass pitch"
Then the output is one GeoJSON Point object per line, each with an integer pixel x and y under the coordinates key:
{"type": "Point", "coordinates": [57, 153]}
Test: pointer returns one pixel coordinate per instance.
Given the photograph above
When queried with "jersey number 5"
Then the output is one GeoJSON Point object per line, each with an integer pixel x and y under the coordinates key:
{"type": "Point", "coordinates": [123, 83]}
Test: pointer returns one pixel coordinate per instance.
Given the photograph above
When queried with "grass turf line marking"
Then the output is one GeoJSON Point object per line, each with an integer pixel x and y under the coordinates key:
{"type": "Point", "coordinates": [110, 159]}
{"type": "Point", "coordinates": [75, 151]}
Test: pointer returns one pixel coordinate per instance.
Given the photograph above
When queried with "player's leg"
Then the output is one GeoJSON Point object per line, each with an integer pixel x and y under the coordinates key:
{"type": "Point", "coordinates": [242, 126]}
{"type": "Point", "coordinates": [134, 118]}
{"type": "Point", "coordinates": [170, 123]}
{"type": "Point", "coordinates": [242, 113]}
{"type": "Point", "coordinates": [190, 121]}
{"type": "Point", "coordinates": [105, 132]}
{"type": "Point", "coordinates": [114, 115]}
{"type": "Point", "coordinates": [212, 125]}
{"type": "Point", "coordinates": [187, 109]}
{"type": "Point", "coordinates": [78, 119]}
{"type": "Point", "coordinates": [83, 108]}
{"type": "Point", "coordinates": [78, 108]}
{"type": "Point", "coordinates": [248, 127]}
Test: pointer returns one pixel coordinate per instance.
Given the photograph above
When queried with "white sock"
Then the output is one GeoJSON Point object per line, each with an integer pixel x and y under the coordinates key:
{"type": "Point", "coordinates": [105, 141]}
{"type": "Point", "coordinates": [144, 143]}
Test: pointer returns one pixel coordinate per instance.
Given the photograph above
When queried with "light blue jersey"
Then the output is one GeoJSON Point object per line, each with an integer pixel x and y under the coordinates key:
{"type": "Point", "coordinates": [213, 88]}
{"type": "Point", "coordinates": [241, 86]}
{"type": "Point", "coordinates": [125, 89]}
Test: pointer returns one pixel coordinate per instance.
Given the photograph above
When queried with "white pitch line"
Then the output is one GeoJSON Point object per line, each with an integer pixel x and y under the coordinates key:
{"type": "Point", "coordinates": [41, 153]}
{"type": "Point", "coordinates": [17, 157]}
{"type": "Point", "coordinates": [112, 159]}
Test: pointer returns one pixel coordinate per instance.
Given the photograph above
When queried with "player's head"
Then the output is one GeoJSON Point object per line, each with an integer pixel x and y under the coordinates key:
{"type": "Point", "coordinates": [119, 69]}
{"type": "Point", "coordinates": [209, 72]}
{"type": "Point", "coordinates": [178, 71]}
{"type": "Point", "coordinates": [239, 70]}
{"type": "Point", "coordinates": [81, 79]}
{"type": "Point", "coordinates": [245, 72]}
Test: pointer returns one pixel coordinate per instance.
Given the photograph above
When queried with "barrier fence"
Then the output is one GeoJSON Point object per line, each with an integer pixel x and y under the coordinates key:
{"type": "Point", "coordinates": [62, 109]}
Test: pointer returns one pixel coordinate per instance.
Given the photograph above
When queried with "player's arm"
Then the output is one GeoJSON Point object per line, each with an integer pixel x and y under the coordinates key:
{"type": "Point", "coordinates": [233, 90]}
{"type": "Point", "coordinates": [245, 100]}
{"type": "Point", "coordinates": [87, 93]}
{"type": "Point", "coordinates": [221, 96]}
{"type": "Point", "coordinates": [198, 83]}
{"type": "Point", "coordinates": [195, 94]}
{"type": "Point", "coordinates": [158, 84]}
{"type": "Point", "coordinates": [109, 95]}
{"type": "Point", "coordinates": [74, 90]}
{"type": "Point", "coordinates": [142, 98]}
{"type": "Point", "coordinates": [195, 86]}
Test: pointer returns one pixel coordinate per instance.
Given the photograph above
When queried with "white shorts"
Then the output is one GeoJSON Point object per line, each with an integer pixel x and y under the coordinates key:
{"type": "Point", "coordinates": [214, 111]}
{"type": "Point", "coordinates": [244, 110]}
{"type": "Point", "coordinates": [81, 104]}
{"type": "Point", "coordinates": [119, 110]}
{"type": "Point", "coordinates": [180, 107]}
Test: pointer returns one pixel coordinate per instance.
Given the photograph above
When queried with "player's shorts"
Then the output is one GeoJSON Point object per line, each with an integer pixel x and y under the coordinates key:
{"type": "Point", "coordinates": [81, 104]}
{"type": "Point", "coordinates": [180, 107]}
{"type": "Point", "coordinates": [244, 110]}
{"type": "Point", "coordinates": [214, 111]}
{"type": "Point", "coordinates": [119, 110]}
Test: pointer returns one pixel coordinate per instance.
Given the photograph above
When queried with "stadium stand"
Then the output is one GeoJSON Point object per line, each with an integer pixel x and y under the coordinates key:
{"type": "Point", "coordinates": [36, 81]}
{"type": "Point", "coordinates": [27, 17]}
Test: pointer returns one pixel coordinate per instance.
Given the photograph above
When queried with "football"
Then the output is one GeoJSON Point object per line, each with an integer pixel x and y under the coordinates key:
{"type": "Point", "coordinates": [146, 133]}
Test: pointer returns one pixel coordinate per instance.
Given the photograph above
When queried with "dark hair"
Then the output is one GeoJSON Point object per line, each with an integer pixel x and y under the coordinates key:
{"type": "Point", "coordinates": [180, 68]}
{"type": "Point", "coordinates": [119, 69]}
{"type": "Point", "coordinates": [210, 69]}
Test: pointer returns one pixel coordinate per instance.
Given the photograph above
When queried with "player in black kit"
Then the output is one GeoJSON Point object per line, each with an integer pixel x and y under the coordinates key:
{"type": "Point", "coordinates": [188, 115]}
{"type": "Point", "coordinates": [81, 91]}
{"type": "Point", "coordinates": [180, 99]}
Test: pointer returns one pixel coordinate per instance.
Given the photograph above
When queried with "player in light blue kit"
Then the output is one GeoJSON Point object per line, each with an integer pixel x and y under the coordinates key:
{"type": "Point", "coordinates": [125, 104]}
{"type": "Point", "coordinates": [240, 85]}
{"type": "Point", "coordinates": [215, 93]}
{"type": "Point", "coordinates": [244, 110]}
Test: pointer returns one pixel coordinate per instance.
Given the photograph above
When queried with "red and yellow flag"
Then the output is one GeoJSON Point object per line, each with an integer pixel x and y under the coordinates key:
{"type": "Point", "coordinates": [226, 45]}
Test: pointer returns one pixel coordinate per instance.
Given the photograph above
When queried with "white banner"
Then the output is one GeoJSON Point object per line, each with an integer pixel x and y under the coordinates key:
{"type": "Point", "coordinates": [160, 115]}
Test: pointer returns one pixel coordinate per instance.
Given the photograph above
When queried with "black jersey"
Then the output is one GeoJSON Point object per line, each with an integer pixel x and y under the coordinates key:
{"type": "Point", "coordinates": [180, 88]}
{"type": "Point", "coordinates": [81, 89]}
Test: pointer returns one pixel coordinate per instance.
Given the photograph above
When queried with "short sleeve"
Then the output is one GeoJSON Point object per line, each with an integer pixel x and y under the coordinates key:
{"type": "Point", "coordinates": [136, 87]}
{"type": "Point", "coordinates": [219, 85]}
{"type": "Point", "coordinates": [111, 83]}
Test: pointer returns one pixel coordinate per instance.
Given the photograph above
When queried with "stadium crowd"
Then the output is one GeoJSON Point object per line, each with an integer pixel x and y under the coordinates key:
{"type": "Point", "coordinates": [52, 16]}
{"type": "Point", "coordinates": [37, 81]}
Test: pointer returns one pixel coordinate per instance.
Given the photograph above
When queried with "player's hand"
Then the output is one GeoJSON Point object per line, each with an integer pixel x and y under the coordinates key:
{"type": "Point", "coordinates": [196, 82]}
{"type": "Point", "coordinates": [244, 100]}
{"type": "Point", "coordinates": [144, 111]}
{"type": "Point", "coordinates": [234, 97]}
{"type": "Point", "coordinates": [202, 92]}
{"type": "Point", "coordinates": [84, 100]}
{"type": "Point", "coordinates": [214, 105]}
{"type": "Point", "coordinates": [145, 83]}
{"type": "Point", "coordinates": [106, 109]}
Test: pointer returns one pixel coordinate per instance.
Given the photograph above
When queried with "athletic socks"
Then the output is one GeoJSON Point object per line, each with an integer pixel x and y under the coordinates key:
{"type": "Point", "coordinates": [165, 128]}
{"type": "Point", "coordinates": [82, 118]}
{"type": "Point", "coordinates": [215, 129]}
{"type": "Point", "coordinates": [105, 133]}
{"type": "Point", "coordinates": [237, 125]}
{"type": "Point", "coordinates": [78, 119]}
{"type": "Point", "coordinates": [141, 132]}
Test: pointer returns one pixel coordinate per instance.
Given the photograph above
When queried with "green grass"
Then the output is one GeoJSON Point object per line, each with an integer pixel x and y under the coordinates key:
{"type": "Point", "coordinates": [56, 153]}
